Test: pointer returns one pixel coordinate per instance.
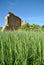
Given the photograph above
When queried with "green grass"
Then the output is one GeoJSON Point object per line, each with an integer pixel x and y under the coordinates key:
{"type": "Point", "coordinates": [22, 48]}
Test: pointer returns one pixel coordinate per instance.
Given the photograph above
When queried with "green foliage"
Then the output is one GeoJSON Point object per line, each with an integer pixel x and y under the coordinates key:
{"type": "Point", "coordinates": [0, 28]}
{"type": "Point", "coordinates": [35, 26]}
{"type": "Point", "coordinates": [25, 27]}
{"type": "Point", "coordinates": [22, 48]}
{"type": "Point", "coordinates": [30, 27]}
{"type": "Point", "coordinates": [42, 26]}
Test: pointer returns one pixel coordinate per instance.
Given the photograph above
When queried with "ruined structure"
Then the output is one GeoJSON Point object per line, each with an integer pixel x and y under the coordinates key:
{"type": "Point", "coordinates": [12, 22]}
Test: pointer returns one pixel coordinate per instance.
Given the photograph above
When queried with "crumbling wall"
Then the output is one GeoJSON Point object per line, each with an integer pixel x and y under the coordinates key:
{"type": "Point", "coordinates": [11, 22]}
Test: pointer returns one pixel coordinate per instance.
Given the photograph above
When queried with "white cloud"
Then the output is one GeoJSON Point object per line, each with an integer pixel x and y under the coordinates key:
{"type": "Point", "coordinates": [36, 18]}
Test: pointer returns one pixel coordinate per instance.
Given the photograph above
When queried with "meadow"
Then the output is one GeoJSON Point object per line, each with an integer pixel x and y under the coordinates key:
{"type": "Point", "coordinates": [22, 48]}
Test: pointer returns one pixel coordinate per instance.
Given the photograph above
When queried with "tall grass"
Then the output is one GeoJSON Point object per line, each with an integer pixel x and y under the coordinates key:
{"type": "Point", "coordinates": [22, 48]}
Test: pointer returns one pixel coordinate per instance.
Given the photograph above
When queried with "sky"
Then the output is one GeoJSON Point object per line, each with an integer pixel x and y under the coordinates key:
{"type": "Point", "coordinates": [31, 11]}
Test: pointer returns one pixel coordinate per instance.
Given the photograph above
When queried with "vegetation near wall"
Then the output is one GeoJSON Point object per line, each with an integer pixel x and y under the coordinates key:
{"type": "Point", "coordinates": [33, 27]}
{"type": "Point", "coordinates": [0, 28]}
{"type": "Point", "coordinates": [22, 48]}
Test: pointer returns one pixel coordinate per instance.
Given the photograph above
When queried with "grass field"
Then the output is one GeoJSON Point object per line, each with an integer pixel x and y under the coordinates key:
{"type": "Point", "coordinates": [22, 48]}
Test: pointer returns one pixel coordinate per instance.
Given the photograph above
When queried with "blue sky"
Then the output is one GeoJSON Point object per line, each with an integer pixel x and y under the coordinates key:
{"type": "Point", "coordinates": [31, 11]}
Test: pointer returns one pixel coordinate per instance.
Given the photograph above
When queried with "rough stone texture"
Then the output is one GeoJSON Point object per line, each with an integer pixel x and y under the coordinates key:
{"type": "Point", "coordinates": [23, 23]}
{"type": "Point", "coordinates": [11, 22]}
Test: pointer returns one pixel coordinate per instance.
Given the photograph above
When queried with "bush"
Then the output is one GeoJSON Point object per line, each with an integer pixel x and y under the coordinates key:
{"type": "Point", "coordinates": [25, 27]}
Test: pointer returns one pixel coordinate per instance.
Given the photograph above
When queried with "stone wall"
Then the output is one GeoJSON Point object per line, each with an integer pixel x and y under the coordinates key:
{"type": "Point", "coordinates": [11, 22]}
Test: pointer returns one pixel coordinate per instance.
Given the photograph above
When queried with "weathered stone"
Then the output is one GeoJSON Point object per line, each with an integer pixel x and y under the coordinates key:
{"type": "Point", "coordinates": [11, 22]}
{"type": "Point", "coordinates": [23, 23]}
